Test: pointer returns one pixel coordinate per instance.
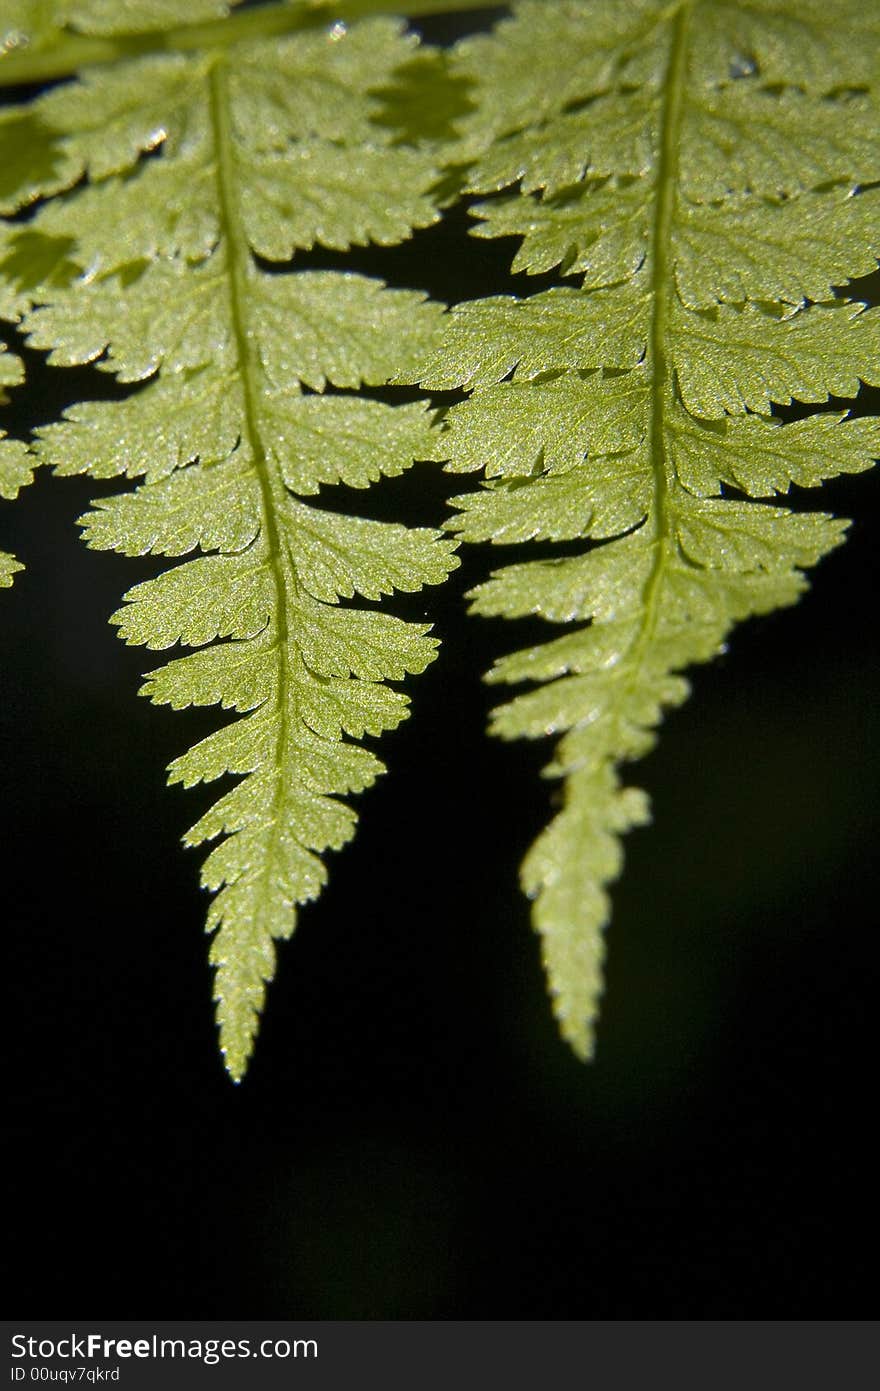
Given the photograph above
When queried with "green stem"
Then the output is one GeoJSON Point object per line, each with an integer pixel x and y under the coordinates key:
{"type": "Point", "coordinates": [73, 51]}
{"type": "Point", "coordinates": [273, 492]}
{"type": "Point", "coordinates": [662, 289]}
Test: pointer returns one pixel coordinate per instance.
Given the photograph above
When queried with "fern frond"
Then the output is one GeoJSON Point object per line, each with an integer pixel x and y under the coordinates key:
{"type": "Point", "coordinates": [702, 166]}
{"type": "Point", "coordinates": [258, 151]}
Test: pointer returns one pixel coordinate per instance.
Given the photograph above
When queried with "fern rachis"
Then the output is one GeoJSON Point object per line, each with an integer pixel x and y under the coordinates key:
{"type": "Point", "coordinates": [625, 410]}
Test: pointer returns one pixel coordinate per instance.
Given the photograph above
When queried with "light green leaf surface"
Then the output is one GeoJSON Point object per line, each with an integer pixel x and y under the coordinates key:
{"type": "Point", "coordinates": [702, 167]}
{"type": "Point", "coordinates": [254, 152]}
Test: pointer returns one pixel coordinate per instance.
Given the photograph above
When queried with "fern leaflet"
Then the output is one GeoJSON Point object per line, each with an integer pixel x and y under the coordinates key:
{"type": "Point", "coordinates": [157, 269]}
{"type": "Point", "coordinates": [702, 167]}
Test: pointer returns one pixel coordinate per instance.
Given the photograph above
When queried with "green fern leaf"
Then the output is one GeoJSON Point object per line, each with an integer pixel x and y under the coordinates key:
{"type": "Point", "coordinates": [702, 167]}
{"type": "Point", "coordinates": [257, 150]}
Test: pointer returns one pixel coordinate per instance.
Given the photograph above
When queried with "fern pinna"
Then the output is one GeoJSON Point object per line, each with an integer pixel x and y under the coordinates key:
{"type": "Point", "coordinates": [257, 151]}
{"type": "Point", "coordinates": [703, 168]}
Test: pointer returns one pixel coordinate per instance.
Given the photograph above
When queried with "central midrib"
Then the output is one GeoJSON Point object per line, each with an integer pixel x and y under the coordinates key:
{"type": "Point", "coordinates": [272, 488]}
{"type": "Point", "coordinates": [661, 289]}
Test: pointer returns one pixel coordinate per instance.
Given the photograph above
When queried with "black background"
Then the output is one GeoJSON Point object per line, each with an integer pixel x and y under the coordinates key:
{"type": "Point", "coordinates": [412, 1140]}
